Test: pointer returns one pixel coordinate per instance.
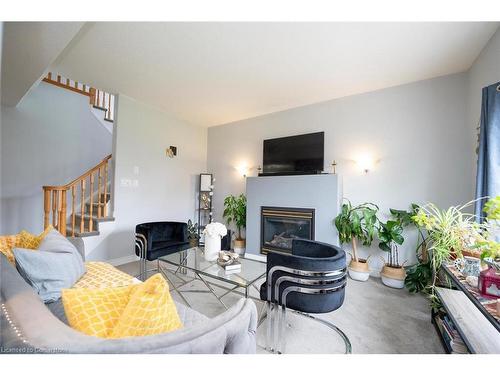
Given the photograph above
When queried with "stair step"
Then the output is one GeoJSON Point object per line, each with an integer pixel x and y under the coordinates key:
{"type": "Point", "coordinates": [101, 108]}
{"type": "Point", "coordinates": [94, 218]}
{"type": "Point", "coordinates": [85, 234]}
{"type": "Point", "coordinates": [108, 119]}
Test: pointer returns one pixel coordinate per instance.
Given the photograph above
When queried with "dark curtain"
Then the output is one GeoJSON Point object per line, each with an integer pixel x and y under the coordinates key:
{"type": "Point", "coordinates": [488, 162]}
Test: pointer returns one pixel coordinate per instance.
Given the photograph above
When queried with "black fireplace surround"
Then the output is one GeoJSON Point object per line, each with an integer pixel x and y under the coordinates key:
{"type": "Point", "coordinates": [281, 225]}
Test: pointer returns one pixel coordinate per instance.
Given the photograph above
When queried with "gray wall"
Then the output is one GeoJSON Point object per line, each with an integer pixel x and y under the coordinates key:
{"type": "Point", "coordinates": [293, 192]}
{"type": "Point", "coordinates": [163, 188]}
{"type": "Point", "coordinates": [417, 132]}
{"type": "Point", "coordinates": [50, 138]}
{"type": "Point", "coordinates": [484, 72]}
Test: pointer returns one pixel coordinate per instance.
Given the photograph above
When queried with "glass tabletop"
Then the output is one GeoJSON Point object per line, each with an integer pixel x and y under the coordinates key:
{"type": "Point", "coordinates": [251, 270]}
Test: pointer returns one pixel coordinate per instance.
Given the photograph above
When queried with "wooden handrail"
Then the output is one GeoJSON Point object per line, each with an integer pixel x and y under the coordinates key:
{"type": "Point", "coordinates": [78, 179]}
{"type": "Point", "coordinates": [97, 98]}
{"type": "Point", "coordinates": [55, 200]}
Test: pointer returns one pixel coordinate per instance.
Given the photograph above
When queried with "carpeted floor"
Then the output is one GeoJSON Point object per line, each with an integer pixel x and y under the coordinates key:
{"type": "Point", "coordinates": [377, 319]}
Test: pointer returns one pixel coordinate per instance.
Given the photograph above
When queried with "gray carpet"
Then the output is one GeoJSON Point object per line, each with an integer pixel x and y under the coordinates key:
{"type": "Point", "coordinates": [377, 319]}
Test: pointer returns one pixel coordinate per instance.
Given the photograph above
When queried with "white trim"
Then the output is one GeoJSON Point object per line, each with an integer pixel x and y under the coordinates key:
{"type": "Point", "coordinates": [123, 260]}
{"type": "Point", "coordinates": [259, 257]}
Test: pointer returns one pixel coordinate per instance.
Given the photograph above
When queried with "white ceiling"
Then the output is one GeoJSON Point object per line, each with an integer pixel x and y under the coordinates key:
{"type": "Point", "coordinates": [214, 73]}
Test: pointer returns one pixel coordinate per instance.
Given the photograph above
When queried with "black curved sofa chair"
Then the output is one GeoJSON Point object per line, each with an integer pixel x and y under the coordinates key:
{"type": "Point", "coordinates": [310, 280]}
{"type": "Point", "coordinates": [157, 239]}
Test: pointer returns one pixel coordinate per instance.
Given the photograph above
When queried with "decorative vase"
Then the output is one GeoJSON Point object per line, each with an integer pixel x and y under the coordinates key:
{"type": "Point", "coordinates": [212, 247]}
{"type": "Point", "coordinates": [489, 282]}
{"type": "Point", "coordinates": [239, 247]}
{"type": "Point", "coordinates": [393, 277]}
{"type": "Point", "coordinates": [359, 270]}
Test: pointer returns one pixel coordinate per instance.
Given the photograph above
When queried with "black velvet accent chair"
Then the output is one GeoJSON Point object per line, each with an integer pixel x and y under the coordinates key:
{"type": "Point", "coordinates": [310, 280]}
{"type": "Point", "coordinates": [157, 239]}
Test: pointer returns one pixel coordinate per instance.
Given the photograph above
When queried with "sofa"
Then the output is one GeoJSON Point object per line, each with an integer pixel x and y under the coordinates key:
{"type": "Point", "coordinates": [27, 325]}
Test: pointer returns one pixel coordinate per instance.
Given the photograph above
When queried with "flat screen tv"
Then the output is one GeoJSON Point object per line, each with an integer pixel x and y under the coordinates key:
{"type": "Point", "coordinates": [299, 154]}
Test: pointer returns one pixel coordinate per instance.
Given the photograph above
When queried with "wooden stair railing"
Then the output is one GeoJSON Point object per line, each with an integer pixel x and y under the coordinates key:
{"type": "Point", "coordinates": [97, 98]}
{"type": "Point", "coordinates": [55, 201]}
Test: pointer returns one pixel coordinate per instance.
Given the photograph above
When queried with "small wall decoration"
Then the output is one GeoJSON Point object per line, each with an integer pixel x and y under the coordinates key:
{"type": "Point", "coordinates": [171, 151]}
{"type": "Point", "coordinates": [205, 182]}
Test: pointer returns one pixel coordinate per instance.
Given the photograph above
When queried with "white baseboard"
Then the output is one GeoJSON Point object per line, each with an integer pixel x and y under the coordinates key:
{"type": "Point", "coordinates": [259, 257]}
{"type": "Point", "coordinates": [123, 260]}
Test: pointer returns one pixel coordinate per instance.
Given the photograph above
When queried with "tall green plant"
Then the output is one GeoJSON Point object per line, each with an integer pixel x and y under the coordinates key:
{"type": "Point", "coordinates": [390, 235]}
{"type": "Point", "coordinates": [235, 211]}
{"type": "Point", "coordinates": [357, 223]}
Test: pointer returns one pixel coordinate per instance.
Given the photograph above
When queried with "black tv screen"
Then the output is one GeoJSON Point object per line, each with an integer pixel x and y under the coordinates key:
{"type": "Point", "coordinates": [300, 154]}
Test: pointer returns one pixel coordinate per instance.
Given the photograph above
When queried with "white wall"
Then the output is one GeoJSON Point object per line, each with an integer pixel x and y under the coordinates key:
{"type": "Point", "coordinates": [484, 72]}
{"type": "Point", "coordinates": [417, 131]}
{"type": "Point", "coordinates": [29, 49]}
{"type": "Point", "coordinates": [50, 138]}
{"type": "Point", "coordinates": [166, 187]}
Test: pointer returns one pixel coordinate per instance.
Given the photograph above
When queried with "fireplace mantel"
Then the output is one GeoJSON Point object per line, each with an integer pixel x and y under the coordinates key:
{"type": "Point", "coordinates": [322, 193]}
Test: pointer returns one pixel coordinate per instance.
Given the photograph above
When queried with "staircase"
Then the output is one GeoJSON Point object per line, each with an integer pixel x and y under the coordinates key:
{"type": "Point", "coordinates": [98, 99]}
{"type": "Point", "coordinates": [77, 208]}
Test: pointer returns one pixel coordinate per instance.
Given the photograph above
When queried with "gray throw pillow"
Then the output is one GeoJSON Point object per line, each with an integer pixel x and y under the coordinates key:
{"type": "Point", "coordinates": [54, 266]}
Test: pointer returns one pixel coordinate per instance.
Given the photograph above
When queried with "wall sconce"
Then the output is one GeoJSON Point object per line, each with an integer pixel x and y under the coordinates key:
{"type": "Point", "coordinates": [171, 151]}
{"type": "Point", "coordinates": [243, 170]}
{"type": "Point", "coordinates": [365, 162]}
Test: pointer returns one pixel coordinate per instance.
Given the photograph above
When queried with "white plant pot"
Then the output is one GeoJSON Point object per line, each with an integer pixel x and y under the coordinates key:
{"type": "Point", "coordinates": [358, 275]}
{"type": "Point", "coordinates": [239, 247]}
{"type": "Point", "coordinates": [212, 247]}
{"type": "Point", "coordinates": [393, 283]}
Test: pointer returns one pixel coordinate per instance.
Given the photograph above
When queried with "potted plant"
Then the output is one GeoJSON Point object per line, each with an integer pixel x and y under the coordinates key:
{"type": "Point", "coordinates": [235, 211]}
{"type": "Point", "coordinates": [390, 235]}
{"type": "Point", "coordinates": [357, 224]}
{"type": "Point", "coordinates": [192, 231]}
{"type": "Point", "coordinates": [213, 234]}
{"type": "Point", "coordinates": [449, 233]}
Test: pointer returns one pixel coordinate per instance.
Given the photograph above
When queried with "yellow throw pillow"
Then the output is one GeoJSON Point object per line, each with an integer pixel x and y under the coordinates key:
{"type": "Point", "coordinates": [102, 275]}
{"type": "Point", "coordinates": [28, 240]}
{"type": "Point", "coordinates": [150, 311]}
{"type": "Point", "coordinates": [95, 312]}
{"type": "Point", "coordinates": [7, 243]}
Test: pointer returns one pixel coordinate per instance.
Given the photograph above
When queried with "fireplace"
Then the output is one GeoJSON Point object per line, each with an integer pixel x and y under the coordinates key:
{"type": "Point", "coordinates": [281, 225]}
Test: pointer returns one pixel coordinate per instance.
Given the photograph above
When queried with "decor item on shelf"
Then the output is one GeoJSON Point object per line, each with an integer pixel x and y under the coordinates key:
{"type": "Point", "coordinates": [468, 266]}
{"type": "Point", "coordinates": [450, 233]}
{"type": "Point", "coordinates": [193, 236]}
{"type": "Point", "coordinates": [235, 210]}
{"type": "Point", "coordinates": [489, 280]}
{"type": "Point", "coordinates": [353, 224]}
{"type": "Point", "coordinates": [472, 281]}
{"type": "Point", "coordinates": [393, 274]}
{"type": "Point", "coordinates": [213, 233]}
{"type": "Point", "coordinates": [205, 200]}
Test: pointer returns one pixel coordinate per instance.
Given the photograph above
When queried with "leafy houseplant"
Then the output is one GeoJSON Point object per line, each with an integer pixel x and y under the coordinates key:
{"type": "Point", "coordinates": [491, 248]}
{"type": "Point", "coordinates": [449, 233]}
{"type": "Point", "coordinates": [193, 236]}
{"type": "Point", "coordinates": [235, 211]}
{"type": "Point", "coordinates": [390, 235]}
{"type": "Point", "coordinates": [354, 224]}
